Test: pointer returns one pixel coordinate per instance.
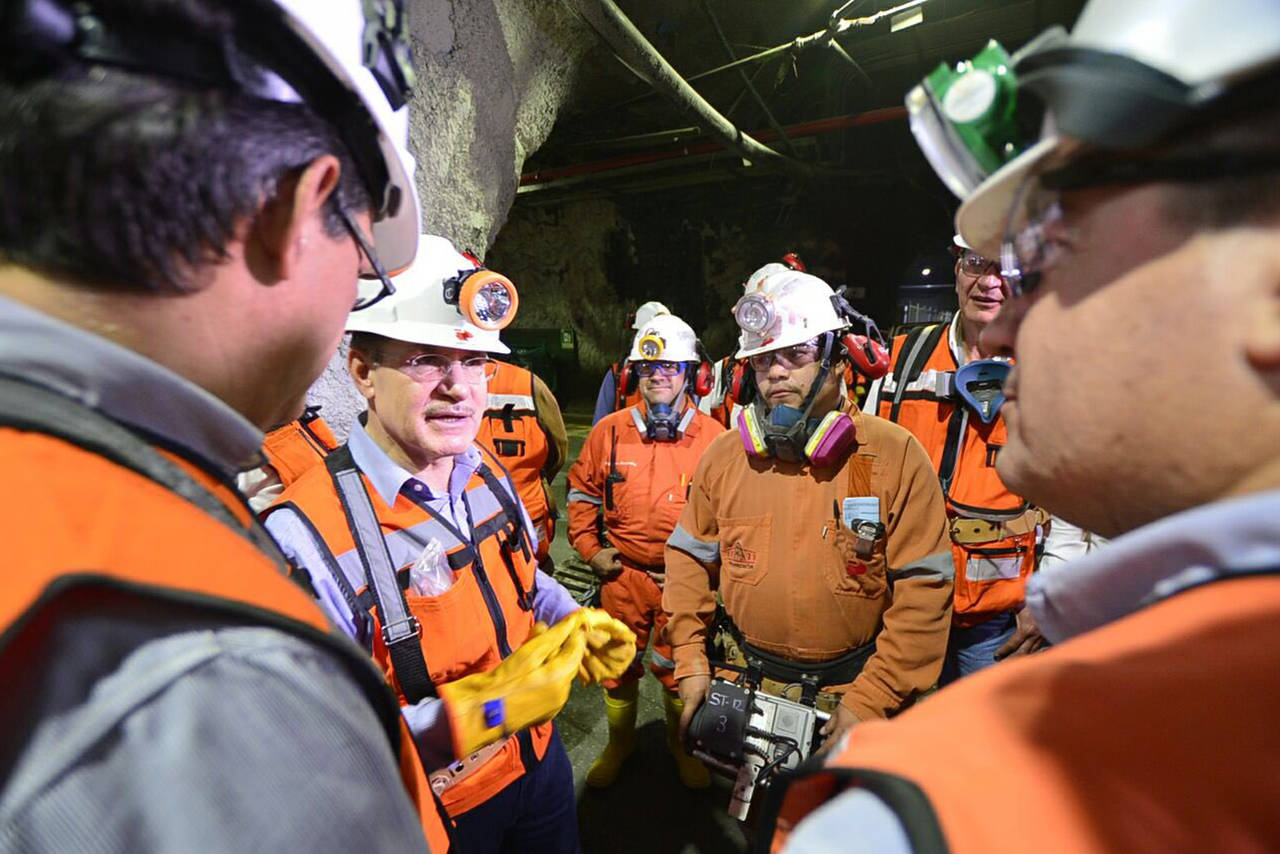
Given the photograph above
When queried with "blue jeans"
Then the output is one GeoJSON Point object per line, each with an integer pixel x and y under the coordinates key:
{"type": "Point", "coordinates": [971, 648]}
{"type": "Point", "coordinates": [536, 814]}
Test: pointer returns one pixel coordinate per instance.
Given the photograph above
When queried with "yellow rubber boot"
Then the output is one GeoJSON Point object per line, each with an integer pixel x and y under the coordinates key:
{"type": "Point", "coordinates": [693, 774]}
{"type": "Point", "coordinates": [620, 711]}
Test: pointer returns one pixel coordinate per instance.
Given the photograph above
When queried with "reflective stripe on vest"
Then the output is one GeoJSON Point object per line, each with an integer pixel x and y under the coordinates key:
{"type": "Point", "coordinates": [990, 576]}
{"type": "Point", "coordinates": [510, 429]}
{"type": "Point", "coordinates": [54, 446]}
{"type": "Point", "coordinates": [467, 629]}
{"type": "Point", "coordinates": [1101, 744]}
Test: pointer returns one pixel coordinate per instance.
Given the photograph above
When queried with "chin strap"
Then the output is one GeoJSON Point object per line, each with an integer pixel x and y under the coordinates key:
{"type": "Point", "coordinates": [793, 436]}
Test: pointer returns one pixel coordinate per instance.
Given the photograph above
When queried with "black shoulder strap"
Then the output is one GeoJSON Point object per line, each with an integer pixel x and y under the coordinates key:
{"type": "Point", "coordinates": [907, 800]}
{"type": "Point", "coordinates": [400, 629]}
{"type": "Point", "coordinates": [32, 408]}
{"type": "Point", "coordinates": [913, 356]}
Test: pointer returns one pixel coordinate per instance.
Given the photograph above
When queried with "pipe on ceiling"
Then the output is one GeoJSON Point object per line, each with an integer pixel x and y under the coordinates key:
{"type": "Point", "coordinates": [533, 180]}
{"type": "Point", "coordinates": [624, 38]}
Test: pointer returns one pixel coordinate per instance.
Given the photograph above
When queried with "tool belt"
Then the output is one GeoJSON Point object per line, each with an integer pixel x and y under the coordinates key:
{"type": "Point", "coordinates": [798, 681]}
{"type": "Point", "coordinates": [967, 531]}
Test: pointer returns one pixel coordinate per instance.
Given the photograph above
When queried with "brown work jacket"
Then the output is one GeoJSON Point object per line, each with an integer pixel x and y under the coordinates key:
{"type": "Point", "coordinates": [764, 534]}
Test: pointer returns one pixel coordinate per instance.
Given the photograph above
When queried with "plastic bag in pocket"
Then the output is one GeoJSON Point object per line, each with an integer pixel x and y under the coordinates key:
{"type": "Point", "coordinates": [430, 574]}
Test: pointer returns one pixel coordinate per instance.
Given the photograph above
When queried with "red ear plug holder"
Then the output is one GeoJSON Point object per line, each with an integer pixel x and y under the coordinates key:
{"type": "Point", "coordinates": [868, 355]}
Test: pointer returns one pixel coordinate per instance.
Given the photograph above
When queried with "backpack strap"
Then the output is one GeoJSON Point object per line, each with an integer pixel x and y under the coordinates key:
{"type": "Point", "coordinates": [915, 352]}
{"type": "Point", "coordinates": [401, 631]}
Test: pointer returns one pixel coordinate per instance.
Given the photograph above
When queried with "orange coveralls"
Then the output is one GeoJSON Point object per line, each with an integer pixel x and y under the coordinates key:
{"type": "Point", "coordinates": [762, 532]}
{"type": "Point", "coordinates": [640, 505]}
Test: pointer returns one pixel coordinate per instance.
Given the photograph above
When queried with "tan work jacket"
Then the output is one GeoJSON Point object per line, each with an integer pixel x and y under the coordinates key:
{"type": "Point", "coordinates": [764, 533]}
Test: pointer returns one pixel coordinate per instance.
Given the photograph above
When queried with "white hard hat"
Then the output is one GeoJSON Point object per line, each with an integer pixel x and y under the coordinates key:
{"type": "Point", "coordinates": [418, 311]}
{"type": "Point", "coordinates": [958, 240]}
{"type": "Point", "coordinates": [753, 281]}
{"type": "Point", "coordinates": [1162, 60]}
{"type": "Point", "coordinates": [648, 312]}
{"type": "Point", "coordinates": [665, 338]}
{"type": "Point", "coordinates": [787, 307]}
{"type": "Point", "coordinates": [371, 59]}
{"type": "Point", "coordinates": [353, 72]}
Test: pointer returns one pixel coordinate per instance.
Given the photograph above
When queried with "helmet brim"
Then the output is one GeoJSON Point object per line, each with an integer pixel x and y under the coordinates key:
{"type": "Point", "coordinates": [456, 337]}
{"type": "Point", "coordinates": [983, 216]}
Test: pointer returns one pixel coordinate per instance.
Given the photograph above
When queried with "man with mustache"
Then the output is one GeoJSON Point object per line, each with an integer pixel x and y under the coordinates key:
{"type": "Point", "coordinates": [995, 534]}
{"type": "Point", "coordinates": [415, 541]}
{"type": "Point", "coordinates": [633, 476]}
{"type": "Point", "coordinates": [821, 527]}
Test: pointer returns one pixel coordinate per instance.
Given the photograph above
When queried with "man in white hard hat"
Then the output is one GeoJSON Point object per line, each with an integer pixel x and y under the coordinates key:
{"type": "Point", "coordinates": [189, 191]}
{"type": "Point", "coordinates": [822, 529]}
{"type": "Point", "coordinates": [626, 491]}
{"type": "Point", "coordinates": [1141, 241]}
{"type": "Point", "coordinates": [415, 541]}
{"type": "Point", "coordinates": [611, 397]}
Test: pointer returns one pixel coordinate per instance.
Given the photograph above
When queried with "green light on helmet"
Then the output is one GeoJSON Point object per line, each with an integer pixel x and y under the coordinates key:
{"type": "Point", "coordinates": [963, 117]}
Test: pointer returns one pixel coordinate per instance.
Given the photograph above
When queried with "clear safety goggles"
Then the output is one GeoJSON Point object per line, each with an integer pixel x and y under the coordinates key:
{"type": "Point", "coordinates": [1036, 233]}
{"type": "Point", "coordinates": [793, 357]}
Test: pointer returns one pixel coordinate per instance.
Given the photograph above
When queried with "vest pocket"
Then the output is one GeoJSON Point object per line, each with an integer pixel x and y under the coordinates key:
{"type": "Point", "coordinates": [991, 578]}
{"type": "Point", "coordinates": [744, 547]}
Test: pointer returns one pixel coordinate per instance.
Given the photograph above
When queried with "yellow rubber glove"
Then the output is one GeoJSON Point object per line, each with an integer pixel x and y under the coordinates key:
{"type": "Point", "coordinates": [530, 686]}
{"type": "Point", "coordinates": [611, 647]}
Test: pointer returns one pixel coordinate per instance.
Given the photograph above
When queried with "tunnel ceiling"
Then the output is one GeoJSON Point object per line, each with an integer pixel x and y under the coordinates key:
{"type": "Point", "coordinates": [618, 136]}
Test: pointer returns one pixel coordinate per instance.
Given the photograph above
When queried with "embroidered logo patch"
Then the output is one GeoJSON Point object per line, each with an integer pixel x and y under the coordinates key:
{"type": "Point", "coordinates": [740, 558]}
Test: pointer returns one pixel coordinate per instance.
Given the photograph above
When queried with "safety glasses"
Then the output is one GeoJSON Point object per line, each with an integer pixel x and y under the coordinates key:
{"type": "Point", "coordinates": [973, 264]}
{"type": "Point", "coordinates": [1035, 232]}
{"type": "Point", "coordinates": [791, 358]}
{"type": "Point", "coordinates": [374, 272]}
{"type": "Point", "coordinates": [666, 369]}
{"type": "Point", "coordinates": [432, 367]}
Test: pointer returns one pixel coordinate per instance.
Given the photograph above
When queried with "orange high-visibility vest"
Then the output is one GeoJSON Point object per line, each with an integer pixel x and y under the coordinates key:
{"type": "Point", "coordinates": [1155, 733]}
{"type": "Point", "coordinates": [511, 430]}
{"type": "Point", "coordinates": [235, 570]}
{"type": "Point", "coordinates": [299, 445]}
{"type": "Point", "coordinates": [470, 627]}
{"type": "Point", "coordinates": [990, 575]}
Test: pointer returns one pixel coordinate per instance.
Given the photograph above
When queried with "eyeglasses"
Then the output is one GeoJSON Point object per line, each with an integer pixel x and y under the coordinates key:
{"type": "Point", "coordinates": [1036, 235]}
{"type": "Point", "coordinates": [973, 264]}
{"type": "Point", "coordinates": [375, 272]}
{"type": "Point", "coordinates": [667, 369]}
{"type": "Point", "coordinates": [795, 356]}
{"type": "Point", "coordinates": [432, 367]}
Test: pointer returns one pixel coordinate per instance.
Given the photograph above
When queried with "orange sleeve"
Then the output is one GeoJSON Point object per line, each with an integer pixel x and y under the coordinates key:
{"type": "Point", "coordinates": [692, 558]}
{"type": "Point", "coordinates": [586, 496]}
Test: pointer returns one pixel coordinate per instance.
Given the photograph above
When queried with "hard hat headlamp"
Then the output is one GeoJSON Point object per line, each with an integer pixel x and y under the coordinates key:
{"type": "Point", "coordinates": [484, 298]}
{"type": "Point", "coordinates": [964, 118]}
{"type": "Point", "coordinates": [755, 313]}
{"type": "Point", "coordinates": [651, 346]}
